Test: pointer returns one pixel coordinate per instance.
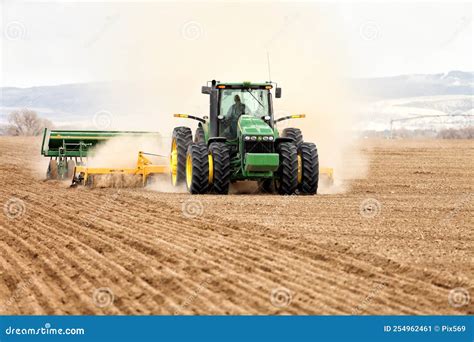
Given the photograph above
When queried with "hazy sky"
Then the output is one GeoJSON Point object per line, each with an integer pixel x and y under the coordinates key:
{"type": "Point", "coordinates": [45, 43]}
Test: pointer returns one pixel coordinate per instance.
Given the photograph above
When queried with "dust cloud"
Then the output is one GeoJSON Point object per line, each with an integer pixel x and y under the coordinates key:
{"type": "Point", "coordinates": [160, 54]}
{"type": "Point", "coordinates": [122, 152]}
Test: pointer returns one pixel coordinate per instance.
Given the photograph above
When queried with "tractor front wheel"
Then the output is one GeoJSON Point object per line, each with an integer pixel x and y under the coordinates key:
{"type": "Point", "coordinates": [295, 134]}
{"type": "Point", "coordinates": [181, 139]}
{"type": "Point", "coordinates": [199, 135]}
{"type": "Point", "coordinates": [219, 167]}
{"type": "Point", "coordinates": [197, 168]}
{"type": "Point", "coordinates": [287, 181]}
{"type": "Point", "coordinates": [308, 169]}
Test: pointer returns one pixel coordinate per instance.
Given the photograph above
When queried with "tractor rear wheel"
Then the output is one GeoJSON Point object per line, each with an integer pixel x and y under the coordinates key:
{"type": "Point", "coordinates": [181, 139]}
{"type": "Point", "coordinates": [197, 168]}
{"type": "Point", "coordinates": [308, 169]}
{"type": "Point", "coordinates": [219, 167]}
{"type": "Point", "coordinates": [287, 181]}
{"type": "Point", "coordinates": [52, 169]}
{"type": "Point", "coordinates": [295, 134]}
{"type": "Point", "coordinates": [199, 136]}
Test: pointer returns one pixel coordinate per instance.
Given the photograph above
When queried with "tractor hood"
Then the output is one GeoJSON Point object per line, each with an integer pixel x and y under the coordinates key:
{"type": "Point", "coordinates": [250, 125]}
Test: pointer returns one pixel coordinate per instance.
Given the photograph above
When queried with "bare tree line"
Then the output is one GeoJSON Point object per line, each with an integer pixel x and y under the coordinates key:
{"type": "Point", "coordinates": [25, 122]}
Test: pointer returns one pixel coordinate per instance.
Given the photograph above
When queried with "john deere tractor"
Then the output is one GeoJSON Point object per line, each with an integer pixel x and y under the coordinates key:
{"type": "Point", "coordinates": [239, 140]}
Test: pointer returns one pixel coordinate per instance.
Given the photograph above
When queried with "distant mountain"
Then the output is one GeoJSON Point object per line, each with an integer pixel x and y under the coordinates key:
{"type": "Point", "coordinates": [386, 98]}
{"type": "Point", "coordinates": [451, 83]}
{"type": "Point", "coordinates": [60, 103]}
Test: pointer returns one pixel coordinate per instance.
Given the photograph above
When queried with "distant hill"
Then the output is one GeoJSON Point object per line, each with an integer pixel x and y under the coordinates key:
{"type": "Point", "coordinates": [386, 98]}
{"type": "Point", "coordinates": [451, 83]}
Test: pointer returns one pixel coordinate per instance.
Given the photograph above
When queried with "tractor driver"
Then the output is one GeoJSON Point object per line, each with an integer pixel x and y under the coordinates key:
{"type": "Point", "coordinates": [232, 117]}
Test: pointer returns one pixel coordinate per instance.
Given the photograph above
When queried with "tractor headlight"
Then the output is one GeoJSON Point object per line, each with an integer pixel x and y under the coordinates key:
{"type": "Point", "coordinates": [253, 138]}
{"type": "Point", "coordinates": [265, 138]}
{"type": "Point", "coordinates": [270, 138]}
{"type": "Point", "coordinates": [246, 138]}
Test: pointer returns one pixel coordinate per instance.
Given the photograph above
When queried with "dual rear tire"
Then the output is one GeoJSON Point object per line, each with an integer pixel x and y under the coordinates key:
{"type": "Point", "coordinates": [202, 169]}
{"type": "Point", "coordinates": [299, 169]}
{"type": "Point", "coordinates": [208, 170]}
{"type": "Point", "coordinates": [181, 139]}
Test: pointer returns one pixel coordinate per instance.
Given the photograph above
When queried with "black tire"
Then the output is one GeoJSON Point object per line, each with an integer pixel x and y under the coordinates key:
{"type": "Point", "coordinates": [197, 162]}
{"type": "Point", "coordinates": [287, 181]}
{"type": "Point", "coordinates": [309, 173]}
{"type": "Point", "coordinates": [71, 164]}
{"type": "Point", "coordinates": [182, 137]}
{"type": "Point", "coordinates": [221, 167]}
{"type": "Point", "coordinates": [199, 136]}
{"type": "Point", "coordinates": [52, 172]}
{"type": "Point", "coordinates": [295, 134]}
{"type": "Point", "coordinates": [267, 186]}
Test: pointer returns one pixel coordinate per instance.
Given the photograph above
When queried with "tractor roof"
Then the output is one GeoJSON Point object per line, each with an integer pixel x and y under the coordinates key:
{"type": "Point", "coordinates": [245, 84]}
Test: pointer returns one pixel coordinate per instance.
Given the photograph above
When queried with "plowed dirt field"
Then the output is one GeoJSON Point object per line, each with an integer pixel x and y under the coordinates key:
{"type": "Point", "coordinates": [397, 242]}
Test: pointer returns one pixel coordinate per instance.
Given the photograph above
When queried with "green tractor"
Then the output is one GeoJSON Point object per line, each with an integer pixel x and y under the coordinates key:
{"type": "Point", "coordinates": [240, 140]}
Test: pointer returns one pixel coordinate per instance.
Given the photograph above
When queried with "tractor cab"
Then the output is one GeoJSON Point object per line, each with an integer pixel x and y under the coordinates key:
{"type": "Point", "coordinates": [231, 101]}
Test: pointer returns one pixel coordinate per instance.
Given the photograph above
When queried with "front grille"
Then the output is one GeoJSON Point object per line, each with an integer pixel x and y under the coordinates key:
{"type": "Point", "coordinates": [258, 147]}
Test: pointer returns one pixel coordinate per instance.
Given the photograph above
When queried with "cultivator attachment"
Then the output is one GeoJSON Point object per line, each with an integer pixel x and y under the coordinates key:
{"type": "Point", "coordinates": [326, 176]}
{"type": "Point", "coordinates": [123, 177]}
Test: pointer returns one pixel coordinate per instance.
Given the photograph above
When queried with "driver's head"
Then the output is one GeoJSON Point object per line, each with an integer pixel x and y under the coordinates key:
{"type": "Point", "coordinates": [237, 98]}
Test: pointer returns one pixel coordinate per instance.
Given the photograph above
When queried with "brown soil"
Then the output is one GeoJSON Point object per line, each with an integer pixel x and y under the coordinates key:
{"type": "Point", "coordinates": [147, 252]}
